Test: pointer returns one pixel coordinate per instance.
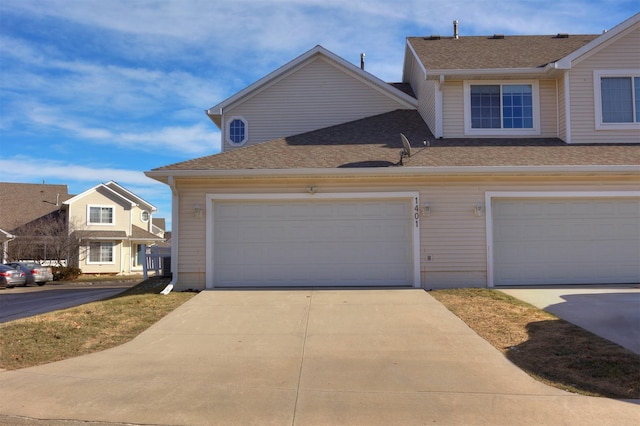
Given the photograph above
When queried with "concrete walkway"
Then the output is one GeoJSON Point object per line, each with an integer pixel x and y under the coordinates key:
{"type": "Point", "coordinates": [350, 357]}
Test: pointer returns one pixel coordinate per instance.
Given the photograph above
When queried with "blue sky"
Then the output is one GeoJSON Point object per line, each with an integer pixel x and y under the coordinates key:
{"type": "Point", "coordinates": [93, 91]}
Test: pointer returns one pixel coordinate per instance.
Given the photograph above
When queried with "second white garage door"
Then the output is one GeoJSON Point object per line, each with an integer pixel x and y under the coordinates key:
{"type": "Point", "coordinates": [312, 243]}
{"type": "Point", "coordinates": [566, 241]}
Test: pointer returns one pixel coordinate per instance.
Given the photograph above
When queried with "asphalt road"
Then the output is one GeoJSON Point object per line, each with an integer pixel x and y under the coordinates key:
{"type": "Point", "coordinates": [22, 302]}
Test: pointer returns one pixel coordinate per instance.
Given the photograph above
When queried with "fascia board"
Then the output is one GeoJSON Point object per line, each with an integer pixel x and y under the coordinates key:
{"type": "Point", "coordinates": [95, 188]}
{"type": "Point", "coordinates": [410, 50]}
{"type": "Point", "coordinates": [473, 73]}
{"type": "Point", "coordinates": [374, 82]}
{"type": "Point", "coordinates": [396, 171]}
{"type": "Point", "coordinates": [129, 194]}
{"type": "Point", "coordinates": [593, 46]}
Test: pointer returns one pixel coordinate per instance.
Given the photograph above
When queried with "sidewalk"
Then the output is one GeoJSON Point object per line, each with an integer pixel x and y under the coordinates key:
{"type": "Point", "coordinates": [350, 357]}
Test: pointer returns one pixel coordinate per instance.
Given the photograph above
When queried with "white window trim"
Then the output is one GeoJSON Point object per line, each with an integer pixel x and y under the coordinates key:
{"type": "Point", "coordinates": [469, 130]}
{"type": "Point", "coordinates": [597, 94]}
{"type": "Point", "coordinates": [113, 215]}
{"type": "Point", "coordinates": [228, 131]}
{"type": "Point", "coordinates": [113, 253]}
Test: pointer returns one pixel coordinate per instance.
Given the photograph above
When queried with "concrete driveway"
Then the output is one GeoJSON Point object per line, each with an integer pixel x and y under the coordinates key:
{"type": "Point", "coordinates": [612, 313]}
{"type": "Point", "coordinates": [351, 357]}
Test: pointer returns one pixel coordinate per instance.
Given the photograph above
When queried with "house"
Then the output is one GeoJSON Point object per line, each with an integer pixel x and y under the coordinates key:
{"type": "Point", "coordinates": [24, 211]}
{"type": "Point", "coordinates": [101, 230]}
{"type": "Point", "coordinates": [523, 168]}
{"type": "Point", "coordinates": [113, 226]}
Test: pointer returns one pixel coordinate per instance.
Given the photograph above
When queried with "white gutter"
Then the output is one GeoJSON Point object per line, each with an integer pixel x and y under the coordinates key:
{"type": "Point", "coordinates": [435, 74]}
{"type": "Point", "coordinates": [175, 210]}
{"type": "Point", "coordinates": [396, 171]}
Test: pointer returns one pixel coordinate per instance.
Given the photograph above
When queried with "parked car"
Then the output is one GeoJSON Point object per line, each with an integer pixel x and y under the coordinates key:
{"type": "Point", "coordinates": [34, 272]}
{"type": "Point", "coordinates": [10, 277]}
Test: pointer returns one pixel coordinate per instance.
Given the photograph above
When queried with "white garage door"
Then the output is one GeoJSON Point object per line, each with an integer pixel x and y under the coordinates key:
{"type": "Point", "coordinates": [560, 241]}
{"type": "Point", "coordinates": [312, 243]}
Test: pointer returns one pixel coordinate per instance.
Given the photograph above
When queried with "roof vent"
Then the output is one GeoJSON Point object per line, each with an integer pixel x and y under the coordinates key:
{"type": "Point", "coordinates": [562, 35]}
{"type": "Point", "coordinates": [362, 61]}
{"type": "Point", "coordinates": [455, 30]}
{"type": "Point", "coordinates": [497, 36]}
{"type": "Point", "coordinates": [433, 37]}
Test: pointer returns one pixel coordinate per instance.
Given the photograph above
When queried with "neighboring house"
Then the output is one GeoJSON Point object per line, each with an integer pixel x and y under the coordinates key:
{"type": "Point", "coordinates": [113, 225]}
{"type": "Point", "coordinates": [524, 170]}
{"type": "Point", "coordinates": [26, 211]}
{"type": "Point", "coordinates": [107, 224]}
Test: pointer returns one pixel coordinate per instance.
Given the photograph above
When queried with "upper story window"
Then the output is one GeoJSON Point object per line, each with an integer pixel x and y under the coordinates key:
{"type": "Point", "coordinates": [500, 108]}
{"type": "Point", "coordinates": [617, 102]}
{"type": "Point", "coordinates": [100, 215]}
{"type": "Point", "coordinates": [144, 216]}
{"type": "Point", "coordinates": [237, 131]}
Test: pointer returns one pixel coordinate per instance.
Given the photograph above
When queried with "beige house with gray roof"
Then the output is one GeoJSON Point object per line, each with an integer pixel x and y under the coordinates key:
{"type": "Point", "coordinates": [523, 169]}
{"type": "Point", "coordinates": [108, 226]}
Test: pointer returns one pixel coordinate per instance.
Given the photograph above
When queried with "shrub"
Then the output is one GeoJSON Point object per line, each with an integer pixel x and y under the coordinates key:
{"type": "Point", "coordinates": [66, 273]}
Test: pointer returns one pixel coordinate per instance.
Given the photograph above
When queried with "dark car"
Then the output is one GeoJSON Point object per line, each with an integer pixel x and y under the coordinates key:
{"type": "Point", "coordinates": [10, 277]}
{"type": "Point", "coordinates": [34, 272]}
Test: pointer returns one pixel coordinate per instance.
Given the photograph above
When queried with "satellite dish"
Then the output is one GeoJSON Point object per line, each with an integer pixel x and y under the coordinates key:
{"type": "Point", "coordinates": [406, 148]}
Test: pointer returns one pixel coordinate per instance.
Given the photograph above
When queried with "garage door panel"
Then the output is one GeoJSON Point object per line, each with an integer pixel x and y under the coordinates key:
{"type": "Point", "coordinates": [313, 243]}
{"type": "Point", "coordinates": [585, 241]}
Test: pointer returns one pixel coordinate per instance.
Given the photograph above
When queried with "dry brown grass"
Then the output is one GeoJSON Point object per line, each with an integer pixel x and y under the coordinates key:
{"type": "Point", "coordinates": [551, 350]}
{"type": "Point", "coordinates": [85, 329]}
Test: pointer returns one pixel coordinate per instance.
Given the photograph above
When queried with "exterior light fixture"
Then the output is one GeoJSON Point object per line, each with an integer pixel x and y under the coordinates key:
{"type": "Point", "coordinates": [426, 209]}
{"type": "Point", "coordinates": [197, 211]}
{"type": "Point", "coordinates": [478, 210]}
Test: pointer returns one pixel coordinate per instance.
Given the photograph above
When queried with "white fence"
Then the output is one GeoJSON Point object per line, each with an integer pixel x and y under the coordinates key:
{"type": "Point", "coordinates": [157, 259]}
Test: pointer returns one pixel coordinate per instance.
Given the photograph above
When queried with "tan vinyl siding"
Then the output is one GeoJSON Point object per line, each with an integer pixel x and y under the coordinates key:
{"type": "Point", "coordinates": [453, 109]}
{"type": "Point", "coordinates": [548, 109]}
{"type": "Point", "coordinates": [425, 92]}
{"type": "Point", "coordinates": [618, 55]}
{"type": "Point", "coordinates": [316, 96]}
{"type": "Point", "coordinates": [78, 212]}
{"type": "Point", "coordinates": [452, 235]}
{"type": "Point", "coordinates": [136, 219]}
{"type": "Point", "coordinates": [562, 110]}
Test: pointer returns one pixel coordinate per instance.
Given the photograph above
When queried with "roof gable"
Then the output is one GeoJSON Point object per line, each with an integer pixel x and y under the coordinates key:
{"type": "Point", "coordinates": [104, 189]}
{"type": "Point", "coordinates": [597, 43]}
{"type": "Point", "coordinates": [301, 61]}
{"type": "Point", "coordinates": [131, 196]}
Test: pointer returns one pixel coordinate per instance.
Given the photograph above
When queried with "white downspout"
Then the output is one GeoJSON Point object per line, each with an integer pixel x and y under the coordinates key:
{"type": "Point", "coordinates": [174, 234]}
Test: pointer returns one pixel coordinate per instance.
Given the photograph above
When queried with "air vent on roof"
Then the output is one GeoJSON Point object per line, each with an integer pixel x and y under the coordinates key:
{"type": "Point", "coordinates": [433, 37]}
{"type": "Point", "coordinates": [497, 36]}
{"type": "Point", "coordinates": [562, 35]}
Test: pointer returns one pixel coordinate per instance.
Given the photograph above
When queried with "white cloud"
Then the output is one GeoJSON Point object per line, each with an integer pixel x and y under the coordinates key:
{"type": "Point", "coordinates": [194, 139]}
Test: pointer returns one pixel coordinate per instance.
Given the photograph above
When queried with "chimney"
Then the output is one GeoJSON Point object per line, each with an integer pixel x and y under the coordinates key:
{"type": "Point", "coordinates": [362, 61]}
{"type": "Point", "coordinates": [455, 30]}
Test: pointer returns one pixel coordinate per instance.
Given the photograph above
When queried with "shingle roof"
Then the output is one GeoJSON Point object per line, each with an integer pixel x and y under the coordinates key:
{"type": "Point", "coordinates": [375, 142]}
{"type": "Point", "coordinates": [25, 202]}
{"type": "Point", "coordinates": [101, 235]}
{"type": "Point", "coordinates": [138, 233]}
{"type": "Point", "coordinates": [488, 52]}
